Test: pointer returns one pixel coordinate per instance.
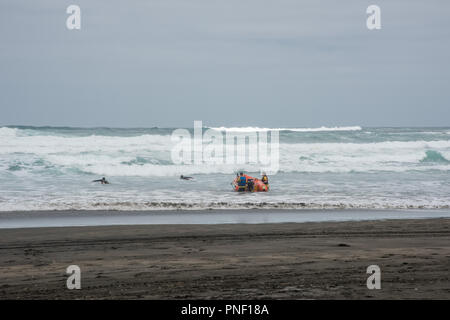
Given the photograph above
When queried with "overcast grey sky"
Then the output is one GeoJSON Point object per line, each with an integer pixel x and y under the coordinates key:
{"type": "Point", "coordinates": [276, 63]}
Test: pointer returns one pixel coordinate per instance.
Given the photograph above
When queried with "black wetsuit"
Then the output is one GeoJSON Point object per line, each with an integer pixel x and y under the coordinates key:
{"type": "Point", "coordinates": [103, 181]}
{"type": "Point", "coordinates": [250, 185]}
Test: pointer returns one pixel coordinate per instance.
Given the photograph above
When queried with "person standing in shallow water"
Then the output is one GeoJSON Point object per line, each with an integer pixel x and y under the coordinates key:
{"type": "Point", "coordinates": [102, 181]}
{"type": "Point", "coordinates": [242, 182]}
{"type": "Point", "coordinates": [264, 178]}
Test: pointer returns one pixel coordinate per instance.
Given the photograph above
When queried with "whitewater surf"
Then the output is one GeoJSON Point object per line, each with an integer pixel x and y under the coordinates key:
{"type": "Point", "coordinates": [338, 167]}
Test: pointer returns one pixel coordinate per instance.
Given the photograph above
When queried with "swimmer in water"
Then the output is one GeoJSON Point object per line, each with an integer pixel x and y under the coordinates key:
{"type": "Point", "coordinates": [186, 178]}
{"type": "Point", "coordinates": [102, 181]}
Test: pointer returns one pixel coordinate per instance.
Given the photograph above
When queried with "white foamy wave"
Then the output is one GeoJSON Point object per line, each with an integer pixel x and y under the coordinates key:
{"type": "Point", "coordinates": [152, 170]}
{"type": "Point", "coordinates": [394, 156]}
{"type": "Point", "coordinates": [212, 205]}
{"type": "Point", "coordinates": [6, 132]}
{"type": "Point", "coordinates": [102, 144]}
{"type": "Point", "coordinates": [155, 170]}
{"type": "Point", "coordinates": [258, 129]}
{"type": "Point", "coordinates": [150, 155]}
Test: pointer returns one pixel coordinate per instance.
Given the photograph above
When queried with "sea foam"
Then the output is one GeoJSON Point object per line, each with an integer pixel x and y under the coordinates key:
{"type": "Point", "coordinates": [258, 129]}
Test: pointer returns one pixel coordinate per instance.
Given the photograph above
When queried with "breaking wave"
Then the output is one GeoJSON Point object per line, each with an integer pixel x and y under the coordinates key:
{"type": "Point", "coordinates": [219, 205]}
{"type": "Point", "coordinates": [434, 156]}
{"type": "Point", "coordinates": [257, 129]}
{"type": "Point", "coordinates": [149, 155]}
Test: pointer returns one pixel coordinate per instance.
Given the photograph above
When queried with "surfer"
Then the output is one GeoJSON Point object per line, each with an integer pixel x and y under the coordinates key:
{"type": "Point", "coordinates": [186, 178]}
{"type": "Point", "coordinates": [102, 181]}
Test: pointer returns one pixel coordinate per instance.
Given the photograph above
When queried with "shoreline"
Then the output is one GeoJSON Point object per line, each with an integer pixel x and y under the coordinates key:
{"type": "Point", "coordinates": [313, 260]}
{"type": "Point", "coordinates": [80, 218]}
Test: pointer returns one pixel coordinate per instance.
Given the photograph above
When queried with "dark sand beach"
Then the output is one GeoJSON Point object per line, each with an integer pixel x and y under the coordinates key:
{"type": "Point", "coordinates": [324, 260]}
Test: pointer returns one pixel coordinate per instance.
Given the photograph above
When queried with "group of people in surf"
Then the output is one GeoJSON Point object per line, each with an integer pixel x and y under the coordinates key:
{"type": "Point", "coordinates": [244, 183]}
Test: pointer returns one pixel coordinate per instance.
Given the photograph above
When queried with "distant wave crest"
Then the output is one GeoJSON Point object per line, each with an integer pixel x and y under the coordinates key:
{"type": "Point", "coordinates": [8, 132]}
{"type": "Point", "coordinates": [258, 129]}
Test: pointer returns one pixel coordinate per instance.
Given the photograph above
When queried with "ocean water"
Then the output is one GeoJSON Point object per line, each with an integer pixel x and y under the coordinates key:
{"type": "Point", "coordinates": [46, 168]}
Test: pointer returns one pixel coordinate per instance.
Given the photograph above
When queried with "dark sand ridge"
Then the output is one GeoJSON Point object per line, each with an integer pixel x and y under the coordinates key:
{"type": "Point", "coordinates": [235, 261]}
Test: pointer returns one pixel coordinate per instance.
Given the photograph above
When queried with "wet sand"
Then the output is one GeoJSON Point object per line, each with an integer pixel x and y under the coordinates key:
{"type": "Point", "coordinates": [84, 218]}
{"type": "Point", "coordinates": [323, 260]}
